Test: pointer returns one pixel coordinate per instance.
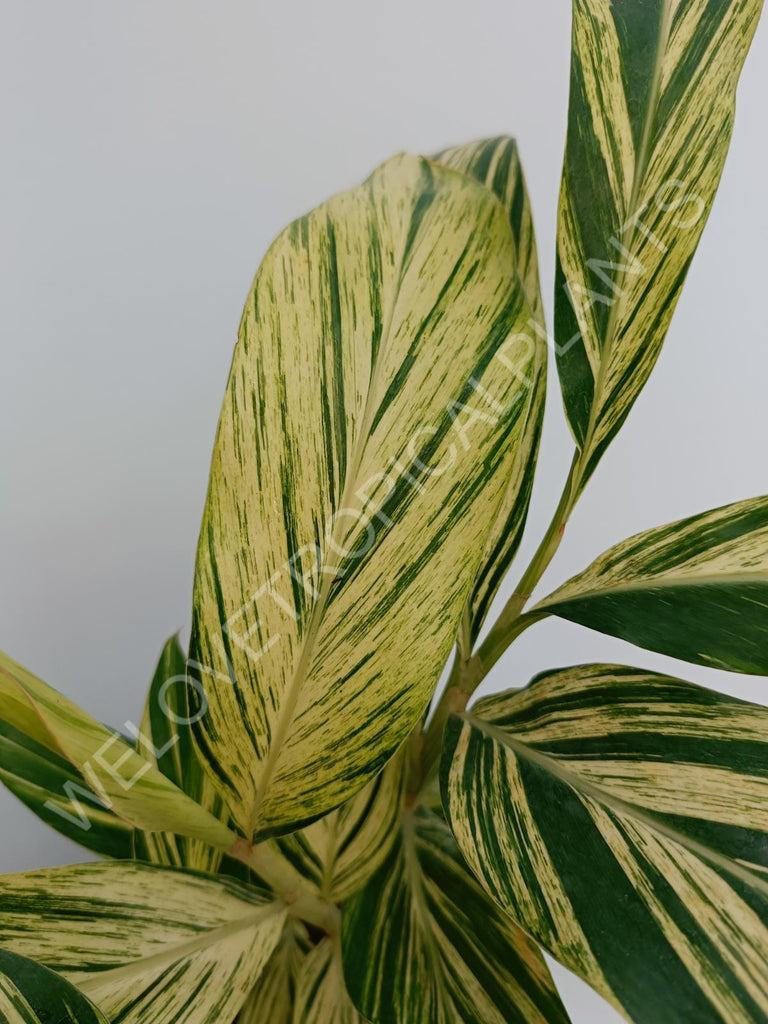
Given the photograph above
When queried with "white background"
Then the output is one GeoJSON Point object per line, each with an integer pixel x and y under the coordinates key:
{"type": "Point", "coordinates": [151, 152]}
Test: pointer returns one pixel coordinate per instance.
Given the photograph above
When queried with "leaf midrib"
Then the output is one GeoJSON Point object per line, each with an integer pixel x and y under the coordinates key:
{"type": "Point", "coordinates": [564, 596]}
{"type": "Point", "coordinates": [415, 878]}
{"type": "Point", "coordinates": [172, 954]}
{"type": "Point", "coordinates": [615, 803]}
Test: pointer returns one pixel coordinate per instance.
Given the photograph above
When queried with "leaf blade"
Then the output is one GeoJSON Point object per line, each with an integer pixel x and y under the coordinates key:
{"type": "Point", "coordinates": [321, 992]}
{"type": "Point", "coordinates": [273, 998]}
{"type": "Point", "coordinates": [650, 118]}
{"type": "Point", "coordinates": [165, 740]}
{"type": "Point", "coordinates": [496, 164]}
{"type": "Point", "coordinates": [650, 785]}
{"type": "Point", "coordinates": [401, 278]}
{"type": "Point", "coordinates": [126, 783]}
{"type": "Point", "coordinates": [169, 966]}
{"type": "Point", "coordinates": [696, 589]}
{"type": "Point", "coordinates": [338, 853]}
{"type": "Point", "coordinates": [31, 994]}
{"type": "Point", "coordinates": [412, 949]}
{"type": "Point", "coordinates": [51, 788]}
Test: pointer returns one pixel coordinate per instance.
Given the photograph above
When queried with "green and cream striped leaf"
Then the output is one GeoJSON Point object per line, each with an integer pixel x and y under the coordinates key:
{"type": "Point", "coordinates": [321, 992]}
{"type": "Point", "coordinates": [622, 818]}
{"type": "Point", "coordinates": [496, 164]}
{"type": "Point", "coordinates": [149, 945]}
{"type": "Point", "coordinates": [370, 425]}
{"type": "Point", "coordinates": [695, 589]}
{"type": "Point", "coordinates": [165, 740]}
{"type": "Point", "coordinates": [31, 994]}
{"type": "Point", "coordinates": [653, 88]}
{"type": "Point", "coordinates": [273, 999]}
{"type": "Point", "coordinates": [422, 942]}
{"type": "Point", "coordinates": [124, 781]}
{"type": "Point", "coordinates": [50, 787]}
{"type": "Point", "coordinates": [338, 853]}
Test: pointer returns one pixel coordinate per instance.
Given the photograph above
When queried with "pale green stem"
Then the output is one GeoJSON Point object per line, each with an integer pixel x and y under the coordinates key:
{"type": "Point", "coordinates": [287, 884]}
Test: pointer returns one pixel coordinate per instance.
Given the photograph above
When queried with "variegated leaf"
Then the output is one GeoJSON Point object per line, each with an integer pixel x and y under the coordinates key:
{"type": "Point", "coordinates": [321, 992]}
{"type": "Point", "coordinates": [622, 818]}
{"type": "Point", "coordinates": [31, 994]}
{"type": "Point", "coordinates": [123, 780]}
{"type": "Point", "coordinates": [149, 945]}
{"type": "Point", "coordinates": [651, 113]}
{"type": "Point", "coordinates": [273, 999]}
{"type": "Point", "coordinates": [496, 164]}
{"type": "Point", "coordinates": [165, 740]}
{"type": "Point", "coordinates": [339, 852]}
{"type": "Point", "coordinates": [422, 942]}
{"type": "Point", "coordinates": [49, 785]}
{"type": "Point", "coordinates": [696, 589]}
{"type": "Point", "coordinates": [371, 422]}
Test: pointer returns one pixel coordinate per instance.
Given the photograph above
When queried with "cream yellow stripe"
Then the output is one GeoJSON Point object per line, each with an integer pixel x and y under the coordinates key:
{"type": "Point", "coordinates": [720, 914]}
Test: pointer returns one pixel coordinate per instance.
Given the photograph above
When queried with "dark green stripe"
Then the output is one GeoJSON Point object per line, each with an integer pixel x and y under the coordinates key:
{"type": "Point", "coordinates": [644, 970]}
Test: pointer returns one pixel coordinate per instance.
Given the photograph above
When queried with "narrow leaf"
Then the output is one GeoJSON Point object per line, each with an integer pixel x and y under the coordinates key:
{"type": "Point", "coordinates": [369, 428]}
{"type": "Point", "coordinates": [149, 945]}
{"type": "Point", "coordinates": [124, 781]}
{"type": "Point", "coordinates": [31, 994]}
{"type": "Point", "coordinates": [272, 1000]}
{"type": "Point", "coordinates": [696, 589]}
{"type": "Point", "coordinates": [653, 88]}
{"type": "Point", "coordinates": [165, 740]}
{"type": "Point", "coordinates": [620, 816]}
{"type": "Point", "coordinates": [321, 995]}
{"type": "Point", "coordinates": [496, 164]}
{"type": "Point", "coordinates": [422, 942]}
{"type": "Point", "coordinates": [49, 785]}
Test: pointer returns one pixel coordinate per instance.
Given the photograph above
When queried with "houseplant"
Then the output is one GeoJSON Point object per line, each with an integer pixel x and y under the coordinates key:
{"type": "Point", "coordinates": [278, 846]}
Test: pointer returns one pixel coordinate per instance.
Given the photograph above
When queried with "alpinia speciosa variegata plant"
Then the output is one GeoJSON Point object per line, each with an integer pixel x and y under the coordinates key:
{"type": "Point", "coordinates": [288, 837]}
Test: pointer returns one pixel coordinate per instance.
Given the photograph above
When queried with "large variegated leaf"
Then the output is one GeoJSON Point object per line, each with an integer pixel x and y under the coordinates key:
{"type": "Point", "coordinates": [339, 852]}
{"type": "Point", "coordinates": [49, 785]}
{"type": "Point", "coordinates": [31, 994]}
{"type": "Point", "coordinates": [369, 428]}
{"type": "Point", "coordinates": [651, 113]}
{"type": "Point", "coordinates": [165, 739]}
{"type": "Point", "coordinates": [321, 992]}
{"type": "Point", "coordinates": [696, 589]}
{"type": "Point", "coordinates": [273, 999]}
{"type": "Point", "coordinates": [496, 164]}
{"type": "Point", "coordinates": [123, 780]}
{"type": "Point", "coordinates": [622, 818]}
{"type": "Point", "coordinates": [422, 942]}
{"type": "Point", "coordinates": [149, 945]}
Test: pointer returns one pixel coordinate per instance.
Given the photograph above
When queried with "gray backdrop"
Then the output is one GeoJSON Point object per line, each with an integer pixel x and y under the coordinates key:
{"type": "Point", "coordinates": [151, 152]}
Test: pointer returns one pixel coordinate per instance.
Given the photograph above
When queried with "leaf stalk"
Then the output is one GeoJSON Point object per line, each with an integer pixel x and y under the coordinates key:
{"type": "Point", "coordinates": [287, 884]}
